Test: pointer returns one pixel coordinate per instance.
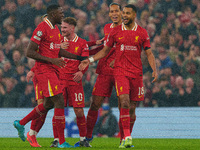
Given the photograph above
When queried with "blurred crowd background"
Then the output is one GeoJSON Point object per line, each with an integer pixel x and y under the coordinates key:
{"type": "Point", "coordinates": [173, 27]}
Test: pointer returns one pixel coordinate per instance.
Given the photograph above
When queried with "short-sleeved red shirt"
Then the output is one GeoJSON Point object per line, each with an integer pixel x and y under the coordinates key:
{"type": "Point", "coordinates": [77, 46]}
{"type": "Point", "coordinates": [103, 66]}
{"type": "Point", "coordinates": [129, 45]}
{"type": "Point", "coordinates": [48, 38]}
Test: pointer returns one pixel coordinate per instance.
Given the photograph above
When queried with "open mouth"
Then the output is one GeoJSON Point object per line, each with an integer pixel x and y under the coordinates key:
{"type": "Point", "coordinates": [114, 18]}
{"type": "Point", "coordinates": [125, 20]}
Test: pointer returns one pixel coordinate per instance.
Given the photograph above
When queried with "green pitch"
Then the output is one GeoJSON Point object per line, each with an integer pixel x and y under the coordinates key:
{"type": "Point", "coordinates": [107, 144]}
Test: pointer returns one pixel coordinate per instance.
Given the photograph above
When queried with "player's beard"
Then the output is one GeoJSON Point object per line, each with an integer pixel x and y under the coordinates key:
{"type": "Point", "coordinates": [129, 22]}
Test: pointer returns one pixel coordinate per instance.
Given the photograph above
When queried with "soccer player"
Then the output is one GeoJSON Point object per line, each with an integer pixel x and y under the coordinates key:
{"type": "Point", "coordinates": [36, 124]}
{"type": "Point", "coordinates": [105, 80]}
{"type": "Point", "coordinates": [48, 38]}
{"type": "Point", "coordinates": [129, 38]}
{"type": "Point", "coordinates": [71, 76]}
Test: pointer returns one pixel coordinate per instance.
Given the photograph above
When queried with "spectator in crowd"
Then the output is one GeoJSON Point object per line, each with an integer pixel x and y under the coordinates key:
{"type": "Point", "coordinates": [191, 70]}
{"type": "Point", "coordinates": [16, 58]}
{"type": "Point", "coordinates": [164, 58]}
{"type": "Point", "coordinates": [11, 95]}
{"type": "Point", "coordinates": [191, 97]}
{"type": "Point", "coordinates": [27, 98]}
{"type": "Point", "coordinates": [9, 46]}
{"type": "Point", "coordinates": [8, 70]}
{"type": "Point", "coordinates": [177, 65]}
{"type": "Point", "coordinates": [36, 9]}
{"type": "Point", "coordinates": [107, 125]}
{"type": "Point", "coordinates": [3, 59]}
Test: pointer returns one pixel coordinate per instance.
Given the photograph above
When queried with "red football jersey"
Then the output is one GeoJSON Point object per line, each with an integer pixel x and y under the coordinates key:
{"type": "Point", "coordinates": [77, 46]}
{"type": "Point", "coordinates": [129, 45]}
{"type": "Point", "coordinates": [103, 66]}
{"type": "Point", "coordinates": [48, 38]}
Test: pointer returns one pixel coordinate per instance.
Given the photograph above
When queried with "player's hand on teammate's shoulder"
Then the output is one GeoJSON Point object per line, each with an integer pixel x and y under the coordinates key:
{"type": "Point", "coordinates": [84, 64]}
{"type": "Point", "coordinates": [98, 42]}
{"type": "Point", "coordinates": [64, 45]}
{"type": "Point", "coordinates": [58, 62]}
{"type": "Point", "coordinates": [30, 76]}
{"type": "Point", "coordinates": [155, 76]}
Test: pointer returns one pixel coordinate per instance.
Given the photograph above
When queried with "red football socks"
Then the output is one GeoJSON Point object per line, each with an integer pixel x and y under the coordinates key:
{"type": "Point", "coordinates": [60, 123]}
{"type": "Point", "coordinates": [132, 121]}
{"type": "Point", "coordinates": [81, 123]}
{"type": "Point", "coordinates": [121, 130]}
{"type": "Point", "coordinates": [40, 122]}
{"type": "Point", "coordinates": [91, 121]}
{"type": "Point", "coordinates": [34, 114]}
{"type": "Point", "coordinates": [125, 121]}
{"type": "Point", "coordinates": [55, 133]}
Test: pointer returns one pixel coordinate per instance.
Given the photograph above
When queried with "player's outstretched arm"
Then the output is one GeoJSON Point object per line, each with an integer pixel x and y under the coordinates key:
{"type": "Point", "coordinates": [96, 57]}
{"type": "Point", "coordinates": [152, 62]}
{"type": "Point", "coordinates": [98, 42]}
{"type": "Point", "coordinates": [32, 53]}
{"type": "Point", "coordinates": [66, 54]}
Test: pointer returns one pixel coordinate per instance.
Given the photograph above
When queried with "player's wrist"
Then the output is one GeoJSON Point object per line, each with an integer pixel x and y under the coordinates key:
{"type": "Point", "coordinates": [91, 59]}
{"type": "Point", "coordinates": [81, 58]}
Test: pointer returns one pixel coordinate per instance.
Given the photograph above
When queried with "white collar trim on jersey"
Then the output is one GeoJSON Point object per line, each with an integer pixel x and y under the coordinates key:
{"type": "Point", "coordinates": [49, 23]}
{"type": "Point", "coordinates": [74, 40]}
{"type": "Point", "coordinates": [112, 25]}
{"type": "Point", "coordinates": [134, 28]}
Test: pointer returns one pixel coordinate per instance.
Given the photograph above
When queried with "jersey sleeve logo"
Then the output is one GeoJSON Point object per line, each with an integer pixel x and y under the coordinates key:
{"type": "Point", "coordinates": [39, 33]}
{"type": "Point", "coordinates": [37, 38]}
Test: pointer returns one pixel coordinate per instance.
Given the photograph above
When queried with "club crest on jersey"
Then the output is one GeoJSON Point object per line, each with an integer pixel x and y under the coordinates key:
{"type": "Point", "coordinates": [76, 49]}
{"type": "Point", "coordinates": [56, 87]}
{"type": "Point", "coordinates": [121, 89]}
{"type": "Point", "coordinates": [41, 93]}
{"type": "Point", "coordinates": [136, 38]}
{"type": "Point", "coordinates": [59, 36]}
{"type": "Point", "coordinates": [39, 33]}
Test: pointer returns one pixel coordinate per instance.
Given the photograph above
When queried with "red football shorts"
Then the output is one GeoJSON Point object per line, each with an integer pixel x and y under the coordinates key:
{"type": "Point", "coordinates": [73, 95]}
{"type": "Point", "coordinates": [38, 90]}
{"type": "Point", "coordinates": [132, 86]}
{"type": "Point", "coordinates": [49, 84]}
{"type": "Point", "coordinates": [103, 86]}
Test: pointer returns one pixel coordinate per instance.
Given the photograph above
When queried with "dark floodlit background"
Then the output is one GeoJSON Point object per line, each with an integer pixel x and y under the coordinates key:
{"type": "Point", "coordinates": [173, 27]}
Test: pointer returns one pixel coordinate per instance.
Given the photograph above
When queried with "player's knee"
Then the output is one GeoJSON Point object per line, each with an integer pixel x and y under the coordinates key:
{"type": "Point", "coordinates": [125, 103]}
{"type": "Point", "coordinates": [58, 101]}
{"type": "Point", "coordinates": [133, 117]}
{"type": "Point", "coordinates": [132, 110]}
{"type": "Point", "coordinates": [40, 101]}
{"type": "Point", "coordinates": [95, 106]}
{"type": "Point", "coordinates": [79, 112]}
{"type": "Point", "coordinates": [96, 102]}
{"type": "Point", "coordinates": [48, 106]}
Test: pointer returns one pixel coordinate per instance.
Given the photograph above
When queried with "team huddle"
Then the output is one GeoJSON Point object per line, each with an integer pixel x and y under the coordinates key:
{"type": "Point", "coordinates": [63, 58]}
